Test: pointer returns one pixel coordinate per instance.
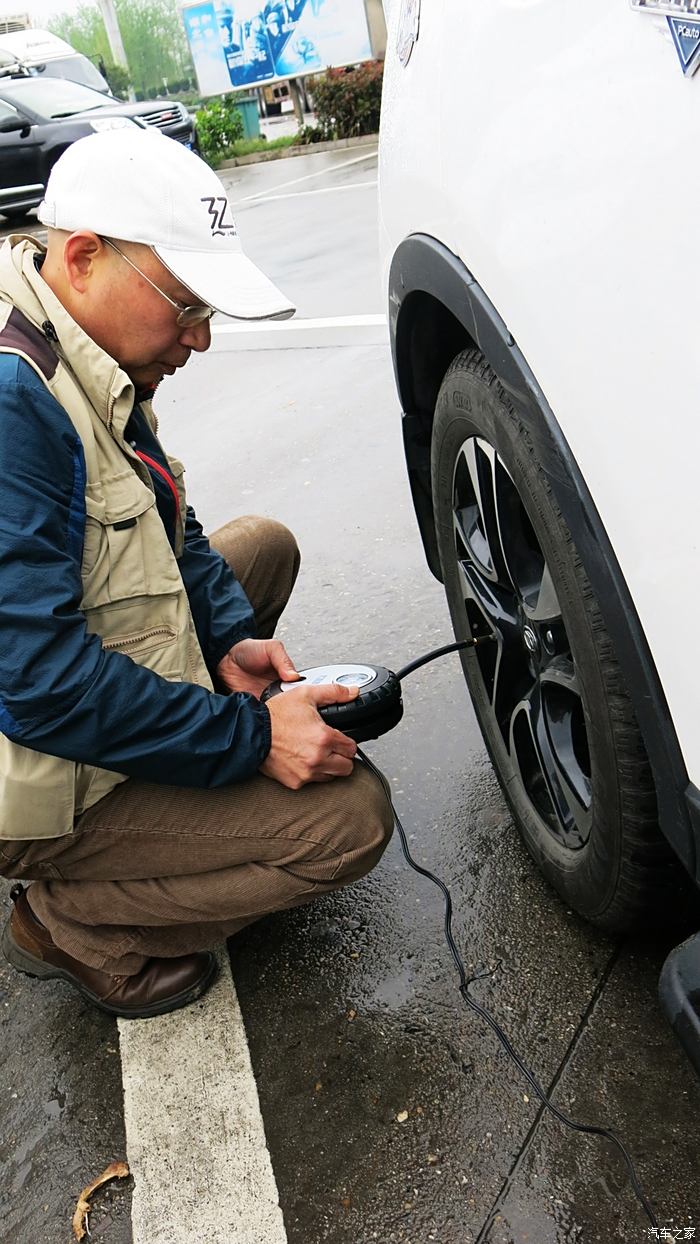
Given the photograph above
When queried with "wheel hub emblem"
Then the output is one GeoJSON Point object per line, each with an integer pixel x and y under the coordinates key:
{"type": "Point", "coordinates": [530, 639]}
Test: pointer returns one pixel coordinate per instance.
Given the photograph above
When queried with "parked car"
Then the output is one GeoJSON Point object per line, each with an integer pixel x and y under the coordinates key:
{"type": "Point", "coordinates": [40, 117]}
{"type": "Point", "coordinates": [541, 297]}
{"type": "Point", "coordinates": [11, 67]}
{"type": "Point", "coordinates": [43, 52]}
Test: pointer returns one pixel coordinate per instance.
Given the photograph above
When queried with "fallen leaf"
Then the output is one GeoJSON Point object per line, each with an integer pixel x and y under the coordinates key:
{"type": "Point", "coordinates": [402, 1116]}
{"type": "Point", "coordinates": [115, 1170]}
{"type": "Point", "coordinates": [318, 1086]}
{"type": "Point", "coordinates": [351, 1014]}
{"type": "Point", "coordinates": [346, 1202]}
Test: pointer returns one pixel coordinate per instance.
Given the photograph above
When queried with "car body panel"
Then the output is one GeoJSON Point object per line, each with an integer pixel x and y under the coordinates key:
{"type": "Point", "coordinates": [565, 136]}
{"type": "Point", "coordinates": [20, 165]}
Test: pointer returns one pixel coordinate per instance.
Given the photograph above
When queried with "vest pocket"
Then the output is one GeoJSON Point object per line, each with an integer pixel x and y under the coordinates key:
{"type": "Point", "coordinates": [37, 793]}
{"type": "Point", "coordinates": [126, 551]}
{"type": "Point", "coordinates": [133, 594]}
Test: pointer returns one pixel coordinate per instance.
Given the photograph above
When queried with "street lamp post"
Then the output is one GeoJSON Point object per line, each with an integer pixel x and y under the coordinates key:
{"type": "Point", "coordinates": [114, 37]}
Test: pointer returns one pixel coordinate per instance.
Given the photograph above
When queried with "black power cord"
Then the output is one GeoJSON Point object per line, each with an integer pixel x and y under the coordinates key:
{"type": "Point", "coordinates": [441, 652]}
{"type": "Point", "coordinates": [465, 981]}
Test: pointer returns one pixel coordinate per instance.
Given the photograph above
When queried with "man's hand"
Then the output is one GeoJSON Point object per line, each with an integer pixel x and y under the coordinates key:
{"type": "Point", "coordinates": [252, 664]}
{"type": "Point", "coordinates": [304, 749]}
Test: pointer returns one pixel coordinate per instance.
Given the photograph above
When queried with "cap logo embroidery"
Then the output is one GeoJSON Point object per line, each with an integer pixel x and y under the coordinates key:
{"type": "Point", "coordinates": [217, 210]}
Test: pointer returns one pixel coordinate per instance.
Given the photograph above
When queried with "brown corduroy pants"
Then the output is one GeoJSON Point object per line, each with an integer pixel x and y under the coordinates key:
{"type": "Point", "coordinates": [156, 870]}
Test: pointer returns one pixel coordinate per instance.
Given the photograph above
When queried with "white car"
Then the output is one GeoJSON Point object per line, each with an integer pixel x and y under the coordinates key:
{"type": "Point", "coordinates": [538, 177]}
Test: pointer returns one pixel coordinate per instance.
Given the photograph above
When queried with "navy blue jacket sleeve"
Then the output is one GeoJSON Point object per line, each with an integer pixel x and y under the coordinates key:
{"type": "Point", "coordinates": [60, 692]}
{"type": "Point", "coordinates": [221, 610]}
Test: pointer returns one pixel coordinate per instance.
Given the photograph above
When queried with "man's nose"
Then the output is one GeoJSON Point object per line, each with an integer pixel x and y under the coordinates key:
{"type": "Point", "coordinates": [196, 336]}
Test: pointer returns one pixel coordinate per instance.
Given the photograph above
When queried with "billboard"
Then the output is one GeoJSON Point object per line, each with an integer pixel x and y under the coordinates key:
{"type": "Point", "coordinates": [246, 43]}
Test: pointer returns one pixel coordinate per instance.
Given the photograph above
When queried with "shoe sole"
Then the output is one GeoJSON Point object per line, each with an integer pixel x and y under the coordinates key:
{"type": "Point", "coordinates": [37, 968]}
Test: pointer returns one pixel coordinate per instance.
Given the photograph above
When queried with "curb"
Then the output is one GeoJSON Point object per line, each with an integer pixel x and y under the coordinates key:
{"type": "Point", "coordinates": [282, 153]}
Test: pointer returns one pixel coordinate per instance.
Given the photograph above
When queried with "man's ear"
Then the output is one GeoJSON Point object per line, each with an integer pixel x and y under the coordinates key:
{"type": "Point", "coordinates": [81, 254]}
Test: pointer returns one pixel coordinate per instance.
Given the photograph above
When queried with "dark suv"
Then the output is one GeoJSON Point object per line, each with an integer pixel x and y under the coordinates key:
{"type": "Point", "coordinates": [40, 117]}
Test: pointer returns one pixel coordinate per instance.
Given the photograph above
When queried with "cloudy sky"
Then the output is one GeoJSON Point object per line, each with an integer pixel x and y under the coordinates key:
{"type": "Point", "coordinates": [38, 10]}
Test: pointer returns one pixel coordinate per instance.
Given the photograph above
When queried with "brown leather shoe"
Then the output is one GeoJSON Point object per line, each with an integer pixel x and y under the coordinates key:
{"type": "Point", "coordinates": [161, 985]}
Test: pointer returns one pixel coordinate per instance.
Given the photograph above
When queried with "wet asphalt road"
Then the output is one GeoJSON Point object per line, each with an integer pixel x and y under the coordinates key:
{"type": "Point", "coordinates": [391, 1114]}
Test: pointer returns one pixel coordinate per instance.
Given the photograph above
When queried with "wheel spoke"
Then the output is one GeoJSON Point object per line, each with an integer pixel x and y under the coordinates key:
{"type": "Point", "coordinates": [476, 510]}
{"type": "Point", "coordinates": [546, 607]}
{"type": "Point", "coordinates": [467, 511]}
{"type": "Point", "coordinates": [507, 517]}
{"type": "Point", "coordinates": [543, 747]}
{"type": "Point", "coordinates": [522, 556]}
{"type": "Point", "coordinates": [561, 672]}
{"type": "Point", "coordinates": [503, 663]}
{"type": "Point", "coordinates": [574, 785]}
{"type": "Point", "coordinates": [496, 605]}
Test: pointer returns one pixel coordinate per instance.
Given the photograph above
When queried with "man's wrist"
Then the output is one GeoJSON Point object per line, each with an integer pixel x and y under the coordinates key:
{"type": "Point", "coordinates": [218, 655]}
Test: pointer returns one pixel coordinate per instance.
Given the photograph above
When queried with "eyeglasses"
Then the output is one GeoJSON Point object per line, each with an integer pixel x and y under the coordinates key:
{"type": "Point", "coordinates": [187, 316]}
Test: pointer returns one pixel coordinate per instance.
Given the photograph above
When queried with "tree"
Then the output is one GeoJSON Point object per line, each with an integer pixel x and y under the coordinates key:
{"type": "Point", "coordinates": [153, 35]}
{"type": "Point", "coordinates": [118, 80]}
{"type": "Point", "coordinates": [84, 30]}
{"type": "Point", "coordinates": [155, 43]}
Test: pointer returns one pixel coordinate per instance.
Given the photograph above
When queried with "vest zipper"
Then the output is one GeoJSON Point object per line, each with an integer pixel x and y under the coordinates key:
{"type": "Point", "coordinates": [132, 640]}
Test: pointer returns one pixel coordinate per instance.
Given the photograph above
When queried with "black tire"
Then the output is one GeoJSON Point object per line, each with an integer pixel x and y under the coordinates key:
{"type": "Point", "coordinates": [15, 214]}
{"type": "Point", "coordinates": [545, 683]}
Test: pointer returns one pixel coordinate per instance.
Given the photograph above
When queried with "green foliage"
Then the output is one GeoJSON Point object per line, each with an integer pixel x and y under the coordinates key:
{"type": "Point", "coordinates": [347, 102]}
{"type": "Point", "coordinates": [84, 30]}
{"type": "Point", "coordinates": [219, 126]}
{"type": "Point", "coordinates": [307, 134]}
{"type": "Point", "coordinates": [118, 81]}
{"type": "Point", "coordinates": [153, 36]}
{"type": "Point", "coordinates": [249, 146]}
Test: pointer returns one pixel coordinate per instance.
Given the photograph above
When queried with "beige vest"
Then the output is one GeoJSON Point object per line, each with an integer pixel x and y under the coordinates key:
{"type": "Point", "coordinates": [133, 594]}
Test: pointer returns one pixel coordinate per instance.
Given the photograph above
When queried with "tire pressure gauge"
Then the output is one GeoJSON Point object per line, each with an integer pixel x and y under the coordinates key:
{"type": "Point", "coordinates": [377, 708]}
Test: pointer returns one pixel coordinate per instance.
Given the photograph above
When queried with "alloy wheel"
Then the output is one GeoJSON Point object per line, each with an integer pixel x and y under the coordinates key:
{"type": "Point", "coordinates": [529, 675]}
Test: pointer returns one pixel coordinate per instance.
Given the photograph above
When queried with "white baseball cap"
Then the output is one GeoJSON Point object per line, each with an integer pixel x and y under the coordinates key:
{"type": "Point", "coordinates": [139, 186]}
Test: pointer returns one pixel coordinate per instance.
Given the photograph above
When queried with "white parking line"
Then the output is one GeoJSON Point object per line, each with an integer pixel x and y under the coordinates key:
{"type": "Point", "coordinates": [194, 1133]}
{"type": "Point", "coordinates": [301, 194]}
{"type": "Point", "coordinates": [330, 330]}
{"type": "Point", "coordinates": [296, 181]}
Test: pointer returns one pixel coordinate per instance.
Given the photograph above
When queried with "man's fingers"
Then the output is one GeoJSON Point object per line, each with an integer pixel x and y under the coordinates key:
{"type": "Point", "coordinates": [332, 693]}
{"type": "Point", "coordinates": [340, 743]}
{"type": "Point", "coordinates": [333, 767]}
{"type": "Point", "coordinates": [281, 662]}
{"type": "Point", "coordinates": [305, 749]}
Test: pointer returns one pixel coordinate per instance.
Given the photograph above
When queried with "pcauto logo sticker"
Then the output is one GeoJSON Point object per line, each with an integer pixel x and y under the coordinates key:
{"type": "Point", "coordinates": [685, 31]}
